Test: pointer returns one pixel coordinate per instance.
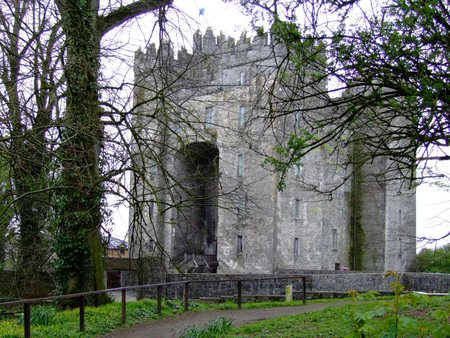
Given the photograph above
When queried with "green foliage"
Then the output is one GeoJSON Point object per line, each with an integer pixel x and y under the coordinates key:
{"type": "Point", "coordinates": [437, 260]}
{"type": "Point", "coordinates": [215, 328]}
{"type": "Point", "coordinates": [340, 321]}
{"type": "Point", "coordinates": [392, 319]}
{"type": "Point", "coordinates": [391, 65]}
{"type": "Point", "coordinates": [41, 315]}
{"type": "Point", "coordinates": [288, 155]}
{"type": "Point", "coordinates": [430, 319]}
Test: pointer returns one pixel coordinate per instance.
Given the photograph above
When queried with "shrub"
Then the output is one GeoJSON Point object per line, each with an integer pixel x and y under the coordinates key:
{"type": "Point", "coordinates": [215, 328]}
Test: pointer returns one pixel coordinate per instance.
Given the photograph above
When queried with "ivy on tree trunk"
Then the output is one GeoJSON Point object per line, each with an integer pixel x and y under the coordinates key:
{"type": "Point", "coordinates": [78, 246]}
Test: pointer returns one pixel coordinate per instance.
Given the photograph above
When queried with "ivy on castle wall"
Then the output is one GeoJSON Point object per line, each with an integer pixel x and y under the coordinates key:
{"type": "Point", "coordinates": [356, 252]}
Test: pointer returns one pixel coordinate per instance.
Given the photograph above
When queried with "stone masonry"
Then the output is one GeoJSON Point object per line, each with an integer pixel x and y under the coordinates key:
{"type": "Point", "coordinates": [203, 198]}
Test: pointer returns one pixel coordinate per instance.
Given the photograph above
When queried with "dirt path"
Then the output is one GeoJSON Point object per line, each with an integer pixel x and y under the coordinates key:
{"type": "Point", "coordinates": [175, 326]}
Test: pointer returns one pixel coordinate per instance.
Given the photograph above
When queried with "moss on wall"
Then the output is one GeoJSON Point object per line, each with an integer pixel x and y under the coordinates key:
{"type": "Point", "coordinates": [357, 236]}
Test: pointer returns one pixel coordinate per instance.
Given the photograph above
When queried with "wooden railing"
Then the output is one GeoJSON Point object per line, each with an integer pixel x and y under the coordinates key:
{"type": "Point", "coordinates": [159, 293]}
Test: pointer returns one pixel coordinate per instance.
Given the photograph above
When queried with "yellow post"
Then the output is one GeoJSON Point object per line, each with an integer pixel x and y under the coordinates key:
{"type": "Point", "coordinates": [289, 293]}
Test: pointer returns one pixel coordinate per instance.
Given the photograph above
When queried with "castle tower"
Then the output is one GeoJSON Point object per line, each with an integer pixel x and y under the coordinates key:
{"type": "Point", "coordinates": [205, 201]}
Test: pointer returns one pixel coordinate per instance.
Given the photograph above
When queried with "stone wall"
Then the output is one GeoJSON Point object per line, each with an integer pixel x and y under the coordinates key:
{"type": "Point", "coordinates": [11, 286]}
{"type": "Point", "coordinates": [340, 282]}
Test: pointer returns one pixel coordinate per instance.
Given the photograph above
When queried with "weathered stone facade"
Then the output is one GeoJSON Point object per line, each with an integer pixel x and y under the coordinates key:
{"type": "Point", "coordinates": [202, 195]}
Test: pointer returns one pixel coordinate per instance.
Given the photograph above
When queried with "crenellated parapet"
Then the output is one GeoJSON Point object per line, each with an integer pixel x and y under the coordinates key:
{"type": "Point", "coordinates": [210, 54]}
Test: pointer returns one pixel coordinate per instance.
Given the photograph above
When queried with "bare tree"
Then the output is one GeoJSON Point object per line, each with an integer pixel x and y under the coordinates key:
{"type": "Point", "coordinates": [29, 106]}
{"type": "Point", "coordinates": [52, 130]}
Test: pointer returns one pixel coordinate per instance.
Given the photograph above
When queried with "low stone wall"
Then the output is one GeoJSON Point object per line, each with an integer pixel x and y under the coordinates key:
{"type": "Point", "coordinates": [427, 282]}
{"type": "Point", "coordinates": [12, 286]}
{"type": "Point", "coordinates": [340, 282]}
{"type": "Point", "coordinates": [206, 286]}
{"type": "Point", "coordinates": [343, 281]}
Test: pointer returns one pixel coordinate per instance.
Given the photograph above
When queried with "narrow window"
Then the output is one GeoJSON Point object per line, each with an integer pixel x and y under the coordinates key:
{"type": "Point", "coordinates": [297, 208]}
{"type": "Point", "coordinates": [240, 165]}
{"type": "Point", "coordinates": [209, 117]}
{"type": "Point", "coordinates": [296, 246]}
{"type": "Point", "coordinates": [179, 121]}
{"type": "Point", "coordinates": [297, 170]}
{"type": "Point", "coordinates": [242, 78]}
{"type": "Point", "coordinates": [150, 244]}
{"type": "Point", "coordinates": [241, 205]}
{"type": "Point", "coordinates": [242, 117]}
{"type": "Point", "coordinates": [335, 238]}
{"type": "Point", "coordinates": [151, 207]}
{"type": "Point", "coordinates": [154, 169]}
{"type": "Point", "coordinates": [298, 119]}
{"type": "Point", "coordinates": [400, 217]}
{"type": "Point", "coordinates": [240, 246]}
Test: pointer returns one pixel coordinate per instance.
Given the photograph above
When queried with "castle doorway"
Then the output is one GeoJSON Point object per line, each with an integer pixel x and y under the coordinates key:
{"type": "Point", "coordinates": [194, 237]}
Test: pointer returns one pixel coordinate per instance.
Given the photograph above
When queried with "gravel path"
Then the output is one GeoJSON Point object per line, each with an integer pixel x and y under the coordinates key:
{"type": "Point", "coordinates": [175, 326]}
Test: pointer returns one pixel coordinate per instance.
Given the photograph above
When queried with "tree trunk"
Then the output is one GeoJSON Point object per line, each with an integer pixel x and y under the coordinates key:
{"type": "Point", "coordinates": [80, 249]}
{"type": "Point", "coordinates": [79, 246]}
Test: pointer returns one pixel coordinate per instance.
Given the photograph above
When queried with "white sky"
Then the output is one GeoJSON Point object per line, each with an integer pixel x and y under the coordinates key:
{"type": "Point", "coordinates": [433, 204]}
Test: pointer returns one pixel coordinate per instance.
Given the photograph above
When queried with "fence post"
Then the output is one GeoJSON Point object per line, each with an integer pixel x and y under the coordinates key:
{"type": "Point", "coordinates": [239, 294]}
{"type": "Point", "coordinates": [82, 313]}
{"type": "Point", "coordinates": [27, 320]}
{"type": "Point", "coordinates": [304, 289]}
{"type": "Point", "coordinates": [124, 305]}
{"type": "Point", "coordinates": [186, 296]}
{"type": "Point", "coordinates": [159, 290]}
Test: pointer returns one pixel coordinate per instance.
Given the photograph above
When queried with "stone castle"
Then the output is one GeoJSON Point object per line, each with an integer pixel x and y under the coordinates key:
{"type": "Point", "coordinates": [203, 199]}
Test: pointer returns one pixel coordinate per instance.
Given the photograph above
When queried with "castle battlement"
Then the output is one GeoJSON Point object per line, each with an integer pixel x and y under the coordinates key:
{"type": "Point", "coordinates": [209, 45]}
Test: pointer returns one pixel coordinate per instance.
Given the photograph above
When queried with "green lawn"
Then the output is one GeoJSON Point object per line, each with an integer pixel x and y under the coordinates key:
{"type": "Point", "coordinates": [48, 322]}
{"type": "Point", "coordinates": [332, 322]}
{"type": "Point", "coordinates": [426, 318]}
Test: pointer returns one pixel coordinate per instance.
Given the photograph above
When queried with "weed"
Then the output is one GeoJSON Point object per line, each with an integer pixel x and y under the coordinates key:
{"type": "Point", "coordinates": [41, 315]}
{"type": "Point", "coordinates": [215, 328]}
{"type": "Point", "coordinates": [388, 319]}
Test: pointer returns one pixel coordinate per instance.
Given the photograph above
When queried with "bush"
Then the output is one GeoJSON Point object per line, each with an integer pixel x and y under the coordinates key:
{"type": "Point", "coordinates": [434, 260]}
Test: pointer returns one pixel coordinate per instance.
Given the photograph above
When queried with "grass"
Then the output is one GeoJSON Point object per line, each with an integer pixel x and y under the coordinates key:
{"type": "Point", "coordinates": [48, 322]}
{"type": "Point", "coordinates": [215, 328]}
{"type": "Point", "coordinates": [335, 322]}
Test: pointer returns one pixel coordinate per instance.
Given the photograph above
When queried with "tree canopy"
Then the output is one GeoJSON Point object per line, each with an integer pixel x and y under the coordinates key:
{"type": "Point", "coordinates": [388, 79]}
{"type": "Point", "coordinates": [437, 260]}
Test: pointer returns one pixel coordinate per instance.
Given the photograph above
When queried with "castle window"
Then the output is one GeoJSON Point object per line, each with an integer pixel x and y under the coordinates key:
{"type": "Point", "coordinates": [335, 239]}
{"type": "Point", "coordinates": [240, 165]}
{"type": "Point", "coordinates": [150, 245]}
{"type": "Point", "coordinates": [154, 169]}
{"type": "Point", "coordinates": [297, 170]}
{"type": "Point", "coordinates": [151, 207]}
{"type": "Point", "coordinates": [298, 118]}
{"type": "Point", "coordinates": [296, 246]}
{"type": "Point", "coordinates": [297, 208]}
{"type": "Point", "coordinates": [209, 117]}
{"type": "Point", "coordinates": [242, 79]}
{"type": "Point", "coordinates": [400, 217]}
{"type": "Point", "coordinates": [242, 117]}
{"type": "Point", "coordinates": [240, 245]}
{"type": "Point", "coordinates": [241, 204]}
